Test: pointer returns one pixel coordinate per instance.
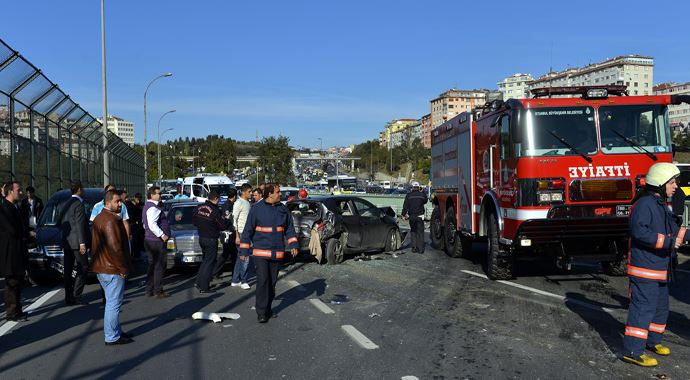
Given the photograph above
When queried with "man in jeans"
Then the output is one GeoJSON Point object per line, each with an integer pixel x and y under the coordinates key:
{"type": "Point", "coordinates": [110, 246]}
{"type": "Point", "coordinates": [156, 233]}
{"type": "Point", "coordinates": [240, 210]}
{"type": "Point", "coordinates": [209, 221]}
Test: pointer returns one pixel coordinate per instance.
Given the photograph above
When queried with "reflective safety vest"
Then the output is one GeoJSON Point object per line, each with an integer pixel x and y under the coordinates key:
{"type": "Point", "coordinates": [267, 230]}
{"type": "Point", "coordinates": [653, 232]}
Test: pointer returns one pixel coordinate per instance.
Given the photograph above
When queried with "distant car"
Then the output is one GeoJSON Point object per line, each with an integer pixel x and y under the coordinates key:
{"type": "Point", "coordinates": [166, 197]}
{"type": "Point", "coordinates": [345, 224]}
{"type": "Point", "coordinates": [183, 245]}
{"type": "Point", "coordinates": [360, 190]}
{"type": "Point", "coordinates": [167, 205]}
{"type": "Point", "coordinates": [374, 190]}
{"type": "Point", "coordinates": [46, 255]}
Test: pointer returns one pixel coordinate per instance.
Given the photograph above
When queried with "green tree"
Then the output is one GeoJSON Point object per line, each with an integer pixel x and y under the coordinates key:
{"type": "Point", "coordinates": [275, 160]}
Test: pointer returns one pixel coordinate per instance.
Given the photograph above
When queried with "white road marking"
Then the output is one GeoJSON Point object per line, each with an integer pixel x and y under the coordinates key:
{"type": "Point", "coordinates": [359, 337]}
{"type": "Point", "coordinates": [295, 284]}
{"type": "Point", "coordinates": [409, 378]}
{"type": "Point", "coordinates": [547, 294]}
{"type": "Point", "coordinates": [43, 299]}
{"type": "Point", "coordinates": [321, 306]}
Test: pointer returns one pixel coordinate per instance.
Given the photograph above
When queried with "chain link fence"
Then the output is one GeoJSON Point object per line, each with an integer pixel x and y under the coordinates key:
{"type": "Point", "coordinates": [48, 141]}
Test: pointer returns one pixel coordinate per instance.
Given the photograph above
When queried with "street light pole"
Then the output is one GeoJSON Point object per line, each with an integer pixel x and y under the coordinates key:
{"type": "Point", "coordinates": [146, 167]}
{"type": "Point", "coordinates": [104, 126]}
{"type": "Point", "coordinates": [159, 145]}
{"type": "Point", "coordinates": [160, 163]}
{"type": "Point", "coordinates": [320, 152]}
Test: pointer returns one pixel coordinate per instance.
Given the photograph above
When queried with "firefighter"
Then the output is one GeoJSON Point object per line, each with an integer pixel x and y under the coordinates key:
{"type": "Point", "coordinates": [268, 224]}
{"type": "Point", "coordinates": [413, 208]}
{"type": "Point", "coordinates": [654, 235]}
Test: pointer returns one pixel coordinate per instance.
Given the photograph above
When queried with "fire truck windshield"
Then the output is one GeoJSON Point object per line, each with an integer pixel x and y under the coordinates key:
{"type": "Point", "coordinates": [575, 125]}
{"type": "Point", "coordinates": [634, 129]}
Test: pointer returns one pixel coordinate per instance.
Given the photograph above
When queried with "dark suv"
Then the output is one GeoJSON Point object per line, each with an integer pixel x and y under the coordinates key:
{"type": "Point", "coordinates": [45, 258]}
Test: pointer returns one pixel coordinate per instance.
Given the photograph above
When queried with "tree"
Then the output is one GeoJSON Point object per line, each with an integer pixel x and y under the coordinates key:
{"type": "Point", "coordinates": [275, 158]}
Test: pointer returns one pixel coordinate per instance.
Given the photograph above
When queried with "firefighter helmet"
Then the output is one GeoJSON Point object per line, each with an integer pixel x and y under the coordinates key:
{"type": "Point", "coordinates": [661, 173]}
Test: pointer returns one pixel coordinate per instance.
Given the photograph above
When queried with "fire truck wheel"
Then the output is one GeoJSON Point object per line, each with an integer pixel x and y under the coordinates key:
{"type": "Point", "coordinates": [499, 261]}
{"type": "Point", "coordinates": [436, 230]}
{"type": "Point", "coordinates": [334, 251]}
{"type": "Point", "coordinates": [455, 244]}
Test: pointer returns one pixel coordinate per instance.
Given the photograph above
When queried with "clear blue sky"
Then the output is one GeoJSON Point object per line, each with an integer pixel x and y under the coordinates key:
{"type": "Point", "coordinates": [336, 70]}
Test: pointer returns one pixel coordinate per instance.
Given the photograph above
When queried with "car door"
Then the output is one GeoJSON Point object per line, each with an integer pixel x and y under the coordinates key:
{"type": "Point", "coordinates": [351, 220]}
{"type": "Point", "coordinates": [373, 229]}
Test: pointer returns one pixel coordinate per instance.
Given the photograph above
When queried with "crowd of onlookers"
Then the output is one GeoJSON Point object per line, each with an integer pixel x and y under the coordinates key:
{"type": "Point", "coordinates": [117, 232]}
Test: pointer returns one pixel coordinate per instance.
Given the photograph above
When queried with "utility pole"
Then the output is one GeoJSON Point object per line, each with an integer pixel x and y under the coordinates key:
{"type": "Point", "coordinates": [104, 126]}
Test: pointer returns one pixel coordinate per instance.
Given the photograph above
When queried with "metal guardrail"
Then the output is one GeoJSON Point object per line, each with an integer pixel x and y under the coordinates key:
{"type": "Point", "coordinates": [47, 140]}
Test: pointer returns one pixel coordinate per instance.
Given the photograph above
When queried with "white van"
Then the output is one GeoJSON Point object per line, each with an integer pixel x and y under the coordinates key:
{"type": "Point", "coordinates": [199, 186]}
{"type": "Point", "coordinates": [386, 184]}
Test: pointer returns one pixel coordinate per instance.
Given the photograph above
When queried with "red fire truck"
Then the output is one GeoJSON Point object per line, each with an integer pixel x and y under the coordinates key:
{"type": "Point", "coordinates": [549, 175]}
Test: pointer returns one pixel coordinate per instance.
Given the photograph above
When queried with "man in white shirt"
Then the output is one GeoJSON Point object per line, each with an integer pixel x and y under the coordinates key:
{"type": "Point", "coordinates": [240, 210]}
{"type": "Point", "coordinates": [98, 207]}
{"type": "Point", "coordinates": [156, 234]}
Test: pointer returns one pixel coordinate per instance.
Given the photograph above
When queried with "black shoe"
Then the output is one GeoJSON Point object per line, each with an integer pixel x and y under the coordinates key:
{"type": "Point", "coordinates": [262, 319]}
{"type": "Point", "coordinates": [207, 291]}
{"type": "Point", "coordinates": [122, 340]}
{"type": "Point", "coordinates": [21, 317]}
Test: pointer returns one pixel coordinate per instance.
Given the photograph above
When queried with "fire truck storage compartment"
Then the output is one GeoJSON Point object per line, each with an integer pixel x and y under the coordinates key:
{"type": "Point", "coordinates": [453, 162]}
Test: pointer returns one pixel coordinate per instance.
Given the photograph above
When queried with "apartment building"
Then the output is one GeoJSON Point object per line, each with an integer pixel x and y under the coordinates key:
{"type": "Point", "coordinates": [453, 102]}
{"type": "Point", "coordinates": [678, 115]}
{"type": "Point", "coordinates": [515, 86]}
{"type": "Point", "coordinates": [122, 128]}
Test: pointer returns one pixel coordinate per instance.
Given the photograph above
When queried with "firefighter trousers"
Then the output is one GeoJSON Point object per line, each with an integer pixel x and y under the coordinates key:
{"type": "Point", "coordinates": [266, 278]}
{"type": "Point", "coordinates": [647, 315]}
{"type": "Point", "coordinates": [417, 233]}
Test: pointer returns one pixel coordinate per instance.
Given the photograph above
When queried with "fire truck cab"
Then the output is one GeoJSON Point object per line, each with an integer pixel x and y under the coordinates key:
{"type": "Point", "coordinates": [546, 176]}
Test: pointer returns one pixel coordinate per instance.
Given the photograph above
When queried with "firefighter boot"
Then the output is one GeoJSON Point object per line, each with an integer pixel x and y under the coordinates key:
{"type": "Point", "coordinates": [660, 349]}
{"type": "Point", "coordinates": [642, 360]}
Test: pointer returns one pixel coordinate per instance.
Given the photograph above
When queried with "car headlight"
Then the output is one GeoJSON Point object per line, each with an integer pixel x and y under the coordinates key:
{"type": "Point", "coordinates": [36, 251]}
{"type": "Point", "coordinates": [171, 244]}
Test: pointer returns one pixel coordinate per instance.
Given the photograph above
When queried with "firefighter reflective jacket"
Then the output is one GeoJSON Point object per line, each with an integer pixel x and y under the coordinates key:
{"type": "Point", "coordinates": [267, 227]}
{"type": "Point", "coordinates": [653, 232]}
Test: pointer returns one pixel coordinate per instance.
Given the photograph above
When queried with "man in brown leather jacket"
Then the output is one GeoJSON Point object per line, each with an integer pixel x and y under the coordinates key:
{"type": "Point", "coordinates": [111, 263]}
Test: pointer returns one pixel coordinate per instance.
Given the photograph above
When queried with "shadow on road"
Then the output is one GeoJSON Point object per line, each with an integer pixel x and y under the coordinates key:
{"type": "Point", "coordinates": [609, 328]}
{"type": "Point", "coordinates": [292, 296]}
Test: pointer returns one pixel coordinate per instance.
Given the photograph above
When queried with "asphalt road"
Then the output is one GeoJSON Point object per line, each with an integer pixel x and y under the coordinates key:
{"type": "Point", "coordinates": [426, 316]}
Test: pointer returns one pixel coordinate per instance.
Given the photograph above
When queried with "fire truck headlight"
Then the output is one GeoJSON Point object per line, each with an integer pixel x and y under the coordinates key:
{"type": "Point", "coordinates": [544, 197]}
{"type": "Point", "coordinates": [556, 197]}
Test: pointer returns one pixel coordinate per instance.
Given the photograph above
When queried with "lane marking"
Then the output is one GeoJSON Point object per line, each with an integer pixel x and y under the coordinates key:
{"type": "Point", "coordinates": [359, 337]}
{"type": "Point", "coordinates": [409, 378]}
{"type": "Point", "coordinates": [547, 294]}
{"type": "Point", "coordinates": [295, 284]}
{"type": "Point", "coordinates": [43, 299]}
{"type": "Point", "coordinates": [321, 306]}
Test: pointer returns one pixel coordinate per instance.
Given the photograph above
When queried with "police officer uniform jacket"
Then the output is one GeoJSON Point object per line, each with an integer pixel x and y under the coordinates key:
{"type": "Point", "coordinates": [414, 203]}
{"type": "Point", "coordinates": [267, 227]}
{"type": "Point", "coordinates": [653, 232]}
{"type": "Point", "coordinates": [209, 221]}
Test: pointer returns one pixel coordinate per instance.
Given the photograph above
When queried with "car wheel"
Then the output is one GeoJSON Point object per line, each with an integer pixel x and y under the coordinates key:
{"type": "Point", "coordinates": [455, 245]}
{"type": "Point", "coordinates": [436, 229]}
{"type": "Point", "coordinates": [619, 266]}
{"type": "Point", "coordinates": [392, 241]}
{"type": "Point", "coordinates": [499, 261]}
{"type": "Point", "coordinates": [334, 251]}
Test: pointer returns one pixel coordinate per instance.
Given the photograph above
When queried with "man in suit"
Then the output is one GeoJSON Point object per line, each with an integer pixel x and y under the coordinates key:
{"type": "Point", "coordinates": [14, 232]}
{"type": "Point", "coordinates": [75, 238]}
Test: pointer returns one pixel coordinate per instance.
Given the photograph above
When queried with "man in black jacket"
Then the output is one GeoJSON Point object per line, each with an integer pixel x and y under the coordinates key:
{"type": "Point", "coordinates": [14, 232]}
{"type": "Point", "coordinates": [74, 225]}
{"type": "Point", "coordinates": [210, 222]}
{"type": "Point", "coordinates": [228, 236]}
{"type": "Point", "coordinates": [413, 207]}
{"type": "Point", "coordinates": [31, 206]}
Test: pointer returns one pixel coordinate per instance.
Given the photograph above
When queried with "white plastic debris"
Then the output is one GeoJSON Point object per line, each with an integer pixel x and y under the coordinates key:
{"type": "Point", "coordinates": [215, 317]}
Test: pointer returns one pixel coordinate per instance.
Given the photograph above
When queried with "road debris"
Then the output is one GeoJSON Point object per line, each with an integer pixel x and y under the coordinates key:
{"type": "Point", "coordinates": [374, 315]}
{"type": "Point", "coordinates": [215, 317]}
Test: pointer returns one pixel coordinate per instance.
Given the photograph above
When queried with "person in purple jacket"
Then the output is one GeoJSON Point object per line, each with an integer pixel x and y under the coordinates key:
{"type": "Point", "coordinates": [156, 235]}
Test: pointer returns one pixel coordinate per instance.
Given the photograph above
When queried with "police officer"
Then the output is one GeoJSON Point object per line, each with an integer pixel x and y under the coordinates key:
{"type": "Point", "coordinates": [413, 208]}
{"type": "Point", "coordinates": [208, 219]}
{"type": "Point", "coordinates": [654, 235]}
{"type": "Point", "coordinates": [268, 224]}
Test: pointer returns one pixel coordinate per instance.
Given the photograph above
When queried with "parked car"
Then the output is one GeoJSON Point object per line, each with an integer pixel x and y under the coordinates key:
{"type": "Point", "coordinates": [183, 245]}
{"type": "Point", "coordinates": [374, 190]}
{"type": "Point", "coordinates": [46, 256]}
{"type": "Point", "coordinates": [288, 193]}
{"type": "Point", "coordinates": [167, 205]}
{"type": "Point", "coordinates": [345, 224]}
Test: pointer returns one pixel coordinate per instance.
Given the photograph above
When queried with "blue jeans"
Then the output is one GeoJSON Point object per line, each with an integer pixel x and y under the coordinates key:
{"type": "Point", "coordinates": [114, 288]}
{"type": "Point", "coordinates": [241, 272]}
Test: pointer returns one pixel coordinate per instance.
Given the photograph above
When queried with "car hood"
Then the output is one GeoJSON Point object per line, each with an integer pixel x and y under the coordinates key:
{"type": "Point", "coordinates": [48, 235]}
